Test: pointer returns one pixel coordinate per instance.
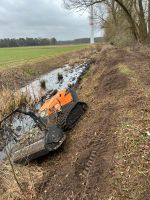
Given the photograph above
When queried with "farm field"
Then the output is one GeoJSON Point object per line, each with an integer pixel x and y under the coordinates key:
{"type": "Point", "coordinates": [11, 57]}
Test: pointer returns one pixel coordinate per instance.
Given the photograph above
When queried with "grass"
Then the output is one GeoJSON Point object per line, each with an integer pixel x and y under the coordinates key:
{"type": "Point", "coordinates": [124, 69]}
{"type": "Point", "coordinates": [27, 177]}
{"type": "Point", "coordinates": [10, 100]}
{"type": "Point", "coordinates": [132, 162]}
{"type": "Point", "coordinates": [10, 57]}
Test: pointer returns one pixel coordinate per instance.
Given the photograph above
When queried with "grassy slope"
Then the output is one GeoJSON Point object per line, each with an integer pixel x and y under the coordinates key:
{"type": "Point", "coordinates": [10, 57]}
{"type": "Point", "coordinates": [106, 156]}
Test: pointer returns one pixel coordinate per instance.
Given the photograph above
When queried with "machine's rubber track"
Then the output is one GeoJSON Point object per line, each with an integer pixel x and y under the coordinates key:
{"type": "Point", "coordinates": [70, 115]}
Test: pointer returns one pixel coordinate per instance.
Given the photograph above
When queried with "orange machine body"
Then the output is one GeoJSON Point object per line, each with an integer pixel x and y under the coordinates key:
{"type": "Point", "coordinates": [59, 100]}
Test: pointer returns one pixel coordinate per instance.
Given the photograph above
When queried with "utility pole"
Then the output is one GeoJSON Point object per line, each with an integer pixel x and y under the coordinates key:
{"type": "Point", "coordinates": [92, 23]}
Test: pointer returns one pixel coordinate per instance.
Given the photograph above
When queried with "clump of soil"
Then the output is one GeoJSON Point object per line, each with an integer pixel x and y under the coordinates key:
{"type": "Point", "coordinates": [113, 80]}
{"type": "Point", "coordinates": [59, 77]}
{"type": "Point", "coordinates": [43, 84]}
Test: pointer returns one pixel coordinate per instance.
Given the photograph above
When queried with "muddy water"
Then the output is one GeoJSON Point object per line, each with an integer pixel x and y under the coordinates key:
{"type": "Point", "coordinates": [69, 74]}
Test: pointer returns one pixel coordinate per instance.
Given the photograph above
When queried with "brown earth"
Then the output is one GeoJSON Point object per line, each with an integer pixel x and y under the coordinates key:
{"type": "Point", "coordinates": [107, 154]}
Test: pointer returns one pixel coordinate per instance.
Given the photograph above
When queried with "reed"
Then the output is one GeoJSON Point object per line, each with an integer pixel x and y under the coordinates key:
{"type": "Point", "coordinates": [11, 99]}
{"type": "Point", "coordinates": [59, 77]}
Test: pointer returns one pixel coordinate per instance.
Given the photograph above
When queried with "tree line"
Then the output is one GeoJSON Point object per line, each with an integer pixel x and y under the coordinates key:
{"type": "Point", "coordinates": [21, 42]}
{"type": "Point", "coordinates": [122, 20]}
{"type": "Point", "coordinates": [80, 41]}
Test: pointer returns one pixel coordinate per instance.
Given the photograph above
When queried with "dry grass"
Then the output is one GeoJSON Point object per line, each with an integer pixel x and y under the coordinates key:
{"type": "Point", "coordinates": [124, 69]}
{"type": "Point", "coordinates": [131, 177]}
{"type": "Point", "coordinates": [80, 57]}
{"type": "Point", "coordinates": [27, 177]}
{"type": "Point", "coordinates": [10, 100]}
{"type": "Point", "coordinates": [98, 47]}
{"type": "Point", "coordinates": [74, 61]}
{"type": "Point", "coordinates": [132, 160]}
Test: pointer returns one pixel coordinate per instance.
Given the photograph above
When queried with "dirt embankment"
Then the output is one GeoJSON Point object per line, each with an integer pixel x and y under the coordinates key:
{"type": "Point", "coordinates": [106, 155]}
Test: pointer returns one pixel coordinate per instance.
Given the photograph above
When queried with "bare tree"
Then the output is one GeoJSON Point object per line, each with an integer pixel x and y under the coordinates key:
{"type": "Point", "coordinates": [134, 12]}
{"type": "Point", "coordinates": [149, 20]}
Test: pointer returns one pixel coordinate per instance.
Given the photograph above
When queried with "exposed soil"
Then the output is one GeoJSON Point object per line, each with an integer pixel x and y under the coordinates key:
{"type": "Point", "coordinates": [106, 155]}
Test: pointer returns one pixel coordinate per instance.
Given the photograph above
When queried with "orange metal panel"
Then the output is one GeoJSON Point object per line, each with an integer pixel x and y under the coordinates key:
{"type": "Point", "coordinates": [56, 102]}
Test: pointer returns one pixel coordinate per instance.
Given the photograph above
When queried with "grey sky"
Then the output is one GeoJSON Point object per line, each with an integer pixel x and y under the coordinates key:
{"type": "Point", "coordinates": [41, 18]}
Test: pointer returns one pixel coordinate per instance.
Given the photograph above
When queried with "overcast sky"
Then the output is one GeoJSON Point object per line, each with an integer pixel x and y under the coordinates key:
{"type": "Point", "coordinates": [41, 18]}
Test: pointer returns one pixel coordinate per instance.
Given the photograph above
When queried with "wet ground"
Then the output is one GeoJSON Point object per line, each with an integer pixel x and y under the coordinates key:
{"type": "Point", "coordinates": [21, 123]}
{"type": "Point", "coordinates": [70, 74]}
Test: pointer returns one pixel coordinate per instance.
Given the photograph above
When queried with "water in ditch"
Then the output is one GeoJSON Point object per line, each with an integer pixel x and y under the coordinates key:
{"type": "Point", "coordinates": [69, 74]}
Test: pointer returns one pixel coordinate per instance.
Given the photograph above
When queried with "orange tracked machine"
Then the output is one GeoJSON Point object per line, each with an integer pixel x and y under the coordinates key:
{"type": "Point", "coordinates": [47, 135]}
{"type": "Point", "coordinates": [65, 107]}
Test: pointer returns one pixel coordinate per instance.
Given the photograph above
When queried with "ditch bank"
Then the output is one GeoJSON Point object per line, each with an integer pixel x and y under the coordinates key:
{"type": "Point", "coordinates": [20, 76]}
{"type": "Point", "coordinates": [106, 155]}
{"type": "Point", "coordinates": [16, 125]}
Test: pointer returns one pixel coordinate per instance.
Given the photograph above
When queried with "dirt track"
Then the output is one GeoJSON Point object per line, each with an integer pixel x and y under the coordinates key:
{"type": "Point", "coordinates": [106, 155]}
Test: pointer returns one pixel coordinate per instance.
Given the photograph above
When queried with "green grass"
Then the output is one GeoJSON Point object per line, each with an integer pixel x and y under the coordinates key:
{"type": "Point", "coordinates": [11, 57]}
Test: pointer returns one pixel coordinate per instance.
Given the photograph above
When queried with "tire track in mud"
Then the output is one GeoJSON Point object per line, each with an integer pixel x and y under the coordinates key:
{"type": "Point", "coordinates": [77, 184]}
{"type": "Point", "coordinates": [96, 166]}
{"type": "Point", "coordinates": [89, 175]}
{"type": "Point", "coordinates": [98, 145]}
{"type": "Point", "coordinates": [93, 171]}
{"type": "Point", "coordinates": [98, 149]}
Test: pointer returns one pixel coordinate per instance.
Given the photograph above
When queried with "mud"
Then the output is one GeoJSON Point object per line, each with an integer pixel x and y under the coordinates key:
{"type": "Point", "coordinates": [86, 167]}
{"type": "Point", "coordinates": [112, 80]}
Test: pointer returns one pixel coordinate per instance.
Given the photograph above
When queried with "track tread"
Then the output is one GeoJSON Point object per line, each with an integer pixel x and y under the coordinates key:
{"type": "Point", "coordinates": [63, 120]}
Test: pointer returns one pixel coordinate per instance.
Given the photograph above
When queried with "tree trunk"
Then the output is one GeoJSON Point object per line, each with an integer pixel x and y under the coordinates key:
{"type": "Point", "coordinates": [114, 13]}
{"type": "Point", "coordinates": [142, 22]}
{"type": "Point", "coordinates": [130, 19]}
{"type": "Point", "coordinates": [149, 20]}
